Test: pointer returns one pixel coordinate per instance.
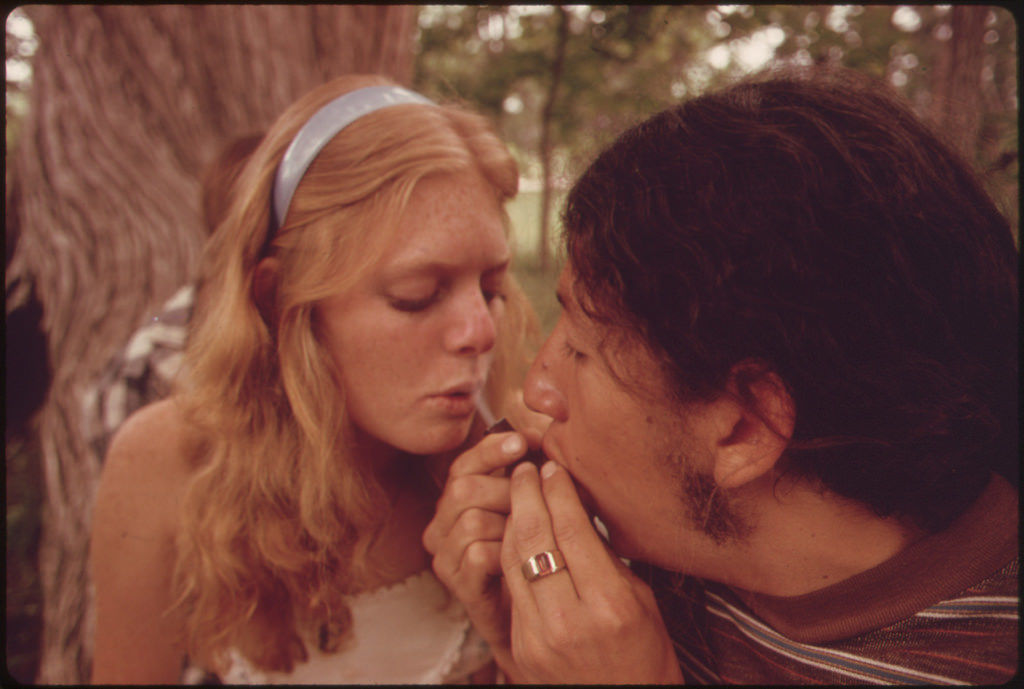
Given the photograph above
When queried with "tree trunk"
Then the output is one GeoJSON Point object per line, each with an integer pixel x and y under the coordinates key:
{"type": "Point", "coordinates": [545, 135]}
{"type": "Point", "coordinates": [128, 104]}
{"type": "Point", "coordinates": [956, 85]}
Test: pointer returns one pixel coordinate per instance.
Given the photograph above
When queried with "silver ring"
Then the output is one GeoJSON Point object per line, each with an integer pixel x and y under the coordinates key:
{"type": "Point", "coordinates": [543, 564]}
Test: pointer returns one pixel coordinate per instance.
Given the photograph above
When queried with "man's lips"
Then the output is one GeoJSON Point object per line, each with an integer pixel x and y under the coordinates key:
{"type": "Point", "coordinates": [552, 452]}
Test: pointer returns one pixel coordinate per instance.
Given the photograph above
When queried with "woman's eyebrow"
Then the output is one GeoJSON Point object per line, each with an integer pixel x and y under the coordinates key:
{"type": "Point", "coordinates": [415, 268]}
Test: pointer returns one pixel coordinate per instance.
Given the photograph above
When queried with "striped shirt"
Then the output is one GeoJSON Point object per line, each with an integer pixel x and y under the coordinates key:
{"type": "Point", "coordinates": [942, 611]}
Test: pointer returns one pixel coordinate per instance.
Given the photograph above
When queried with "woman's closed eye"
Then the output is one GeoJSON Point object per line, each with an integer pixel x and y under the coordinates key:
{"type": "Point", "coordinates": [414, 304]}
{"type": "Point", "coordinates": [492, 294]}
{"type": "Point", "coordinates": [492, 283]}
{"type": "Point", "coordinates": [419, 296]}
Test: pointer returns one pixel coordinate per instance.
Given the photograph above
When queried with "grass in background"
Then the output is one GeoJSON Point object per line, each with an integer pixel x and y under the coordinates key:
{"type": "Point", "coordinates": [539, 285]}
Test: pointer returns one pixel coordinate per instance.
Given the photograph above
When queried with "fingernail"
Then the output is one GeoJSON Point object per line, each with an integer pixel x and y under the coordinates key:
{"type": "Point", "coordinates": [548, 470]}
{"type": "Point", "coordinates": [512, 445]}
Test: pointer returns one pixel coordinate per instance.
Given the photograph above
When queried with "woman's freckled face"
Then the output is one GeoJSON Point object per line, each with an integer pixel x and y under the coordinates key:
{"type": "Point", "coordinates": [413, 340]}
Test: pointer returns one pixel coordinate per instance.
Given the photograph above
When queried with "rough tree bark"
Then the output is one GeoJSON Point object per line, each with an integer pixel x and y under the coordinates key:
{"type": "Point", "coordinates": [956, 80]}
{"type": "Point", "coordinates": [128, 103]}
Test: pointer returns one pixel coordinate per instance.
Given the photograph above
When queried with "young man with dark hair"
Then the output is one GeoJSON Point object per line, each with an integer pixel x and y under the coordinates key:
{"type": "Point", "coordinates": [785, 380]}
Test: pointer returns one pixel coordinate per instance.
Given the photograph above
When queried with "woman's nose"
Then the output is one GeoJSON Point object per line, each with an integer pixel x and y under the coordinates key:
{"type": "Point", "coordinates": [540, 390]}
{"type": "Point", "coordinates": [474, 330]}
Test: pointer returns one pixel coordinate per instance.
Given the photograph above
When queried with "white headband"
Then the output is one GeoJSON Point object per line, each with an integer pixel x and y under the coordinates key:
{"type": "Point", "coordinates": [324, 126]}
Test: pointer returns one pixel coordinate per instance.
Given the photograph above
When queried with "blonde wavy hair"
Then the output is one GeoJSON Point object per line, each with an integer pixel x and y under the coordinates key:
{"type": "Point", "coordinates": [279, 516]}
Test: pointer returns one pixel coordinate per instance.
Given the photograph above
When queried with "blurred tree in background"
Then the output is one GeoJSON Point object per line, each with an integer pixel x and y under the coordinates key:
{"type": "Point", "coordinates": [956, 64]}
{"type": "Point", "coordinates": [125, 104]}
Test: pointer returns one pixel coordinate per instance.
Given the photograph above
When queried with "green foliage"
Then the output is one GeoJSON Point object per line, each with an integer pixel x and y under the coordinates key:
{"type": "Point", "coordinates": [523, 212]}
{"type": "Point", "coordinates": [624, 62]}
{"type": "Point", "coordinates": [538, 283]}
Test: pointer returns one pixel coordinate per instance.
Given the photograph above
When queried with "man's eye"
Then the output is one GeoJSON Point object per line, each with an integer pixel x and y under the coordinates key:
{"type": "Point", "coordinates": [572, 352]}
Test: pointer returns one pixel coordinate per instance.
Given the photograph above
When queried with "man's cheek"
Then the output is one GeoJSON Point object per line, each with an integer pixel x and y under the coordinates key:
{"type": "Point", "coordinates": [578, 478]}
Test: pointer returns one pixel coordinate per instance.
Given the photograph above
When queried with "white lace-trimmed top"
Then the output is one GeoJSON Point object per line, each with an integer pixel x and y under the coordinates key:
{"type": "Point", "coordinates": [411, 632]}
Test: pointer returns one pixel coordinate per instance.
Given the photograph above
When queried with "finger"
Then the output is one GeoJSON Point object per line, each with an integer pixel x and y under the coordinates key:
{"type": "Point", "coordinates": [475, 525]}
{"type": "Point", "coordinates": [477, 584]}
{"type": "Point", "coordinates": [528, 422]}
{"type": "Point", "coordinates": [527, 534]}
{"type": "Point", "coordinates": [480, 588]}
{"type": "Point", "coordinates": [587, 556]}
{"type": "Point", "coordinates": [481, 562]}
{"type": "Point", "coordinates": [492, 452]}
{"type": "Point", "coordinates": [462, 493]}
{"type": "Point", "coordinates": [472, 577]}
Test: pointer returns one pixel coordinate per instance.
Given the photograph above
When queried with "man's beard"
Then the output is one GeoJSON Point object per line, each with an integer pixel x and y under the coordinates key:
{"type": "Point", "coordinates": [713, 512]}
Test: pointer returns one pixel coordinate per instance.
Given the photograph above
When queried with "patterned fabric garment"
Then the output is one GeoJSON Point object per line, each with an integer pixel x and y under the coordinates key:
{"type": "Point", "coordinates": [143, 372]}
{"type": "Point", "coordinates": [942, 611]}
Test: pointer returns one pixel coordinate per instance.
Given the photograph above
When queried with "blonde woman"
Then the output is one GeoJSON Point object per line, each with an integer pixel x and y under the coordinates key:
{"type": "Point", "coordinates": [356, 329]}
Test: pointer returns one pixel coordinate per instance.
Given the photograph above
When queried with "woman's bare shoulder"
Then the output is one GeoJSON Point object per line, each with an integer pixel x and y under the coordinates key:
{"type": "Point", "coordinates": [149, 463]}
{"type": "Point", "coordinates": [157, 436]}
{"type": "Point", "coordinates": [135, 525]}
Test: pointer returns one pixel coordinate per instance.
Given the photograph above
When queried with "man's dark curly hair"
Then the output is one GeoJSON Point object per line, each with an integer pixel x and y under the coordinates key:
{"type": "Point", "coordinates": [811, 223]}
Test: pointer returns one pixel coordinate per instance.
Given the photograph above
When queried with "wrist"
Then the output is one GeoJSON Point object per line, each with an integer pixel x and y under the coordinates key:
{"type": "Point", "coordinates": [509, 668]}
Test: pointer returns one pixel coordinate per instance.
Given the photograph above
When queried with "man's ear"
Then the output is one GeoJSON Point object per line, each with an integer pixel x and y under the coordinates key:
{"type": "Point", "coordinates": [756, 419]}
{"type": "Point", "coordinates": [264, 288]}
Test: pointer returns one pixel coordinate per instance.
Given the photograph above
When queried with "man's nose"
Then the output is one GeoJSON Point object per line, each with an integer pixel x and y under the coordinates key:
{"type": "Point", "coordinates": [540, 390]}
